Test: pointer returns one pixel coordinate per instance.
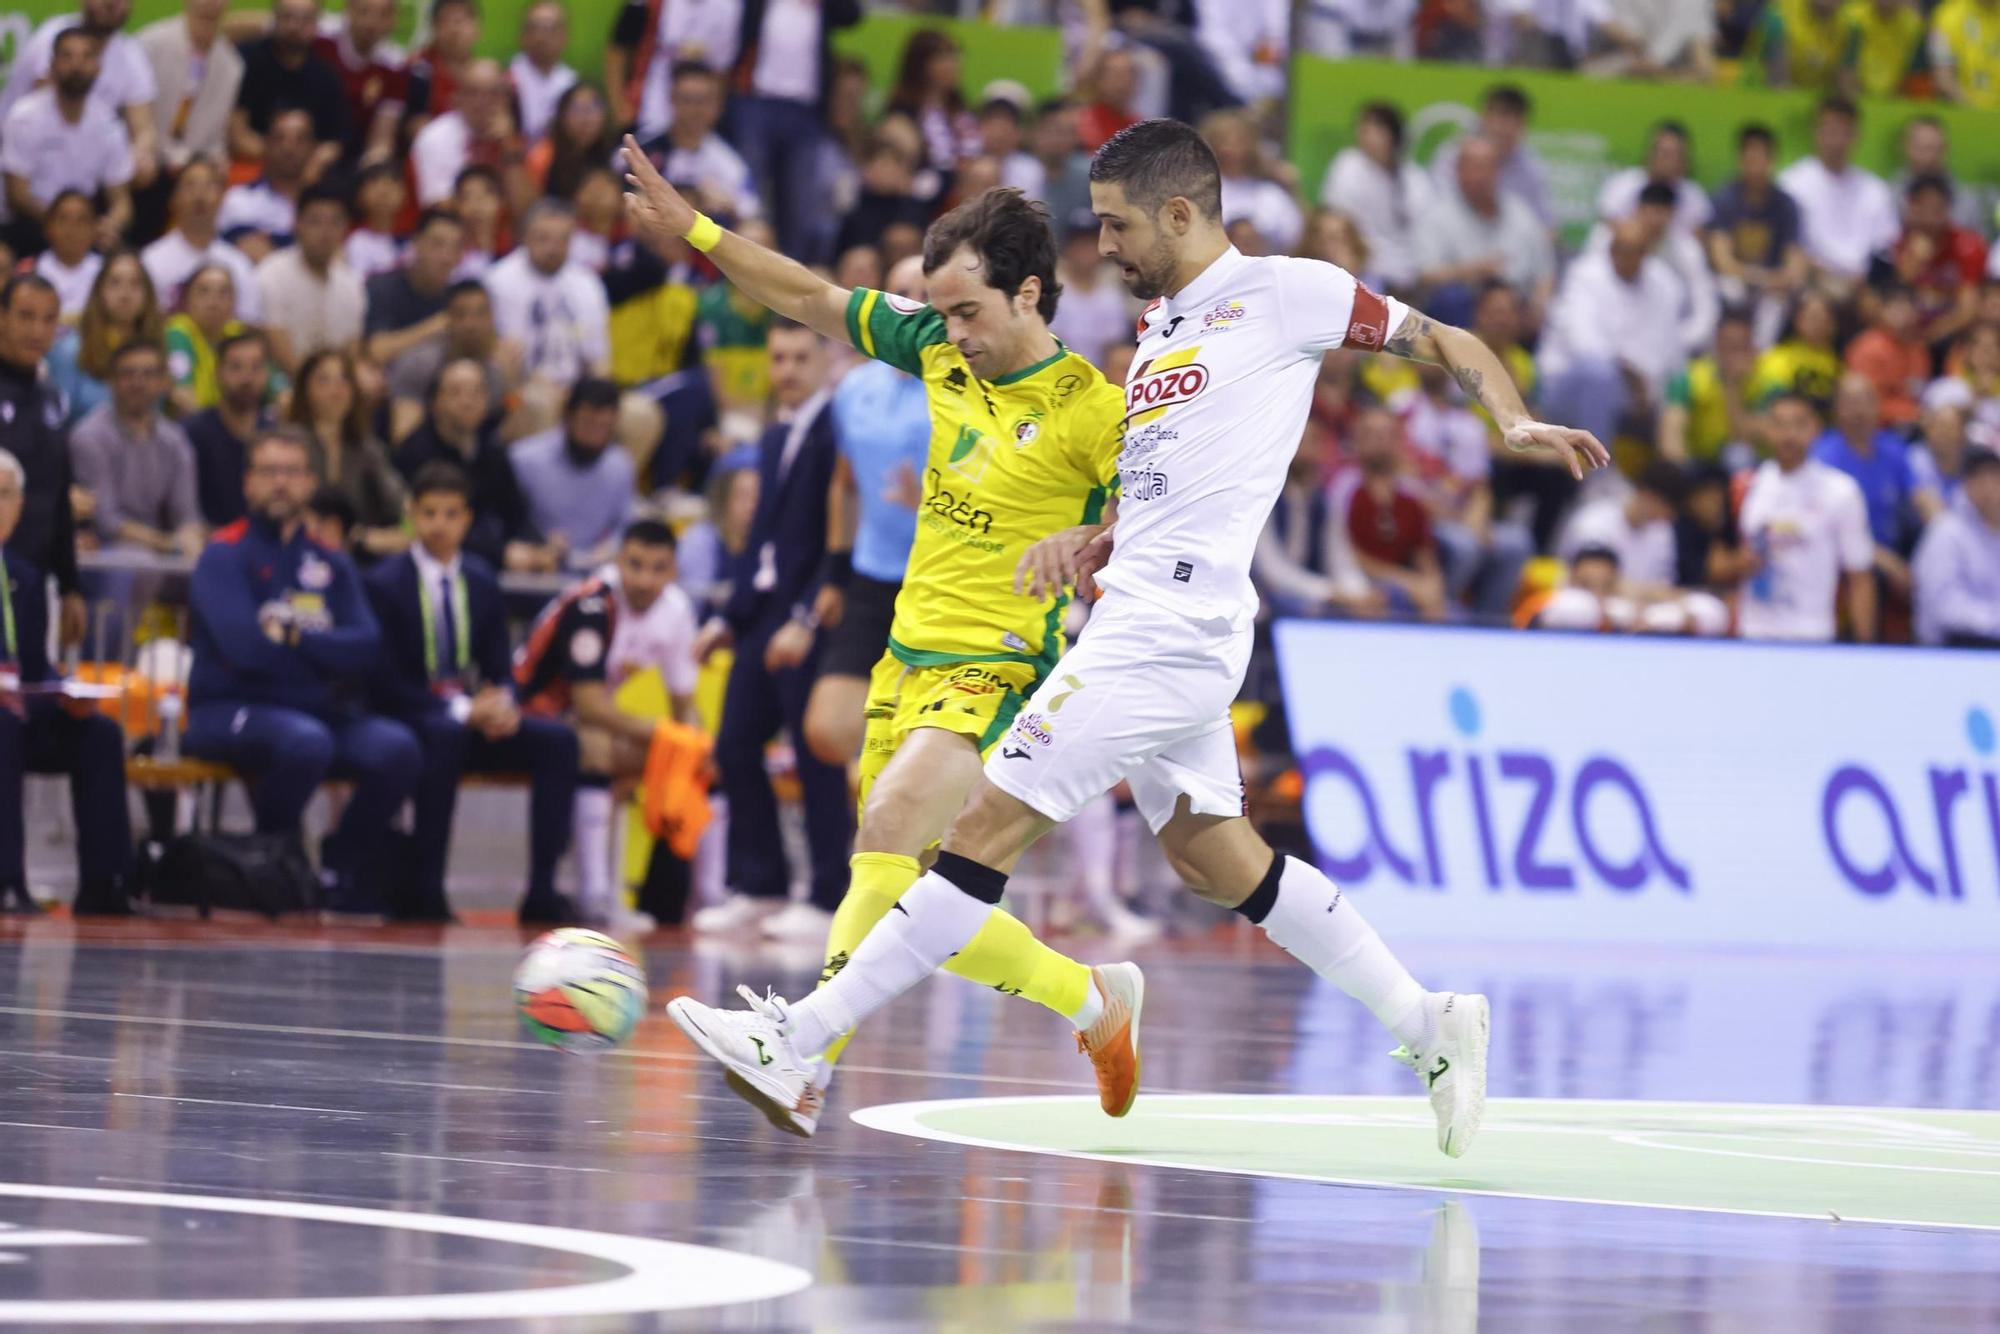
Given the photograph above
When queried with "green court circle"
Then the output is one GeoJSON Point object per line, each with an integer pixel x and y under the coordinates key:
{"type": "Point", "coordinates": [1855, 1165]}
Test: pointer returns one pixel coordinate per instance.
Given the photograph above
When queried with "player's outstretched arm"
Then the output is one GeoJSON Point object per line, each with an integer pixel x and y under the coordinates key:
{"type": "Point", "coordinates": [1480, 374]}
{"type": "Point", "coordinates": [660, 214]}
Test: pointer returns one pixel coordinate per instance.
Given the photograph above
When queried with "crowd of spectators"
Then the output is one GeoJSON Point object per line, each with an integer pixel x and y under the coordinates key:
{"type": "Point", "coordinates": [269, 264]}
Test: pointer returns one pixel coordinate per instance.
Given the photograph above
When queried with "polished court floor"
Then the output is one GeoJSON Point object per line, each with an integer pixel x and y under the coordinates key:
{"type": "Point", "coordinates": [336, 1128]}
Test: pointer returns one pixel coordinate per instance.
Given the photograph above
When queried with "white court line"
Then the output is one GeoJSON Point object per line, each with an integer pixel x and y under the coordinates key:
{"type": "Point", "coordinates": [659, 1275]}
{"type": "Point", "coordinates": [496, 1162]}
{"type": "Point", "coordinates": [226, 1102]}
{"type": "Point", "coordinates": [43, 1125]}
{"type": "Point", "coordinates": [466, 1088]}
{"type": "Point", "coordinates": [1646, 1141]}
{"type": "Point", "coordinates": [905, 1118]}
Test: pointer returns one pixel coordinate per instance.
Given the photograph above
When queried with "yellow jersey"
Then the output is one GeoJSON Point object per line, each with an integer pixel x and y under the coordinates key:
{"type": "Point", "coordinates": [1011, 461]}
{"type": "Point", "coordinates": [1965, 35]}
{"type": "Point", "coordinates": [1883, 50]}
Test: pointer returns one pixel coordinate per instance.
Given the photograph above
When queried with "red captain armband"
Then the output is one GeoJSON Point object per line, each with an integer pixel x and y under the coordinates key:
{"type": "Point", "coordinates": [1368, 322]}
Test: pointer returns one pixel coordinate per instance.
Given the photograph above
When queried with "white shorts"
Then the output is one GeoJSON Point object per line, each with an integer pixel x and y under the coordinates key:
{"type": "Point", "coordinates": [1143, 695]}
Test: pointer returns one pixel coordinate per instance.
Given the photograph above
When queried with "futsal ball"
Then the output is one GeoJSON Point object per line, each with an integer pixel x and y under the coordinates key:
{"type": "Point", "coordinates": [579, 990]}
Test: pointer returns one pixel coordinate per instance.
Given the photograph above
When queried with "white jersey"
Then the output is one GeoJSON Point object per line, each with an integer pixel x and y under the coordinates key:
{"type": "Point", "coordinates": [1215, 405]}
{"type": "Point", "coordinates": [662, 639]}
{"type": "Point", "coordinates": [1808, 526]}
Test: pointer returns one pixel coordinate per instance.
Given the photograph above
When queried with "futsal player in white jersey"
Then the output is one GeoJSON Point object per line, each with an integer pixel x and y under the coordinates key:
{"type": "Point", "coordinates": [1216, 403]}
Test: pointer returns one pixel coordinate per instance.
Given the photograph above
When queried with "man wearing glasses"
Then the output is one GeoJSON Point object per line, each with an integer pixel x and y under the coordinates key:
{"type": "Point", "coordinates": [282, 635]}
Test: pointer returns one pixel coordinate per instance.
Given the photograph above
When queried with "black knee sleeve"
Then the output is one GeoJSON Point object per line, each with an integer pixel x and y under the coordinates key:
{"type": "Point", "coordinates": [982, 882]}
{"type": "Point", "coordinates": [1258, 905]}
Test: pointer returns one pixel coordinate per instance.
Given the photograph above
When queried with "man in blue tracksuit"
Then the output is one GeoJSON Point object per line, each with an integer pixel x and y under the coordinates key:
{"type": "Point", "coordinates": [280, 626]}
{"type": "Point", "coordinates": [42, 734]}
{"type": "Point", "coordinates": [447, 673]}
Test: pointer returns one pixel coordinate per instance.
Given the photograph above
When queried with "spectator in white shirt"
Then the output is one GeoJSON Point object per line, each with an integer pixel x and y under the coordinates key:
{"type": "Point", "coordinates": [1478, 232]}
{"type": "Point", "coordinates": [1603, 357]}
{"type": "Point", "coordinates": [1657, 39]}
{"type": "Point", "coordinates": [1249, 42]}
{"type": "Point", "coordinates": [1093, 313]}
{"type": "Point", "coordinates": [1638, 525]}
{"type": "Point", "coordinates": [1847, 215]}
{"type": "Point", "coordinates": [694, 157]}
{"type": "Point", "coordinates": [124, 87]}
{"type": "Point", "coordinates": [195, 240]}
{"type": "Point", "coordinates": [1804, 525]}
{"type": "Point", "coordinates": [1003, 136]}
{"type": "Point", "coordinates": [197, 73]}
{"type": "Point", "coordinates": [554, 308]}
{"type": "Point", "coordinates": [1548, 34]}
{"type": "Point", "coordinates": [313, 301]}
{"type": "Point", "coordinates": [1383, 191]}
{"type": "Point", "coordinates": [61, 138]}
{"type": "Point", "coordinates": [1667, 163]}
{"type": "Point", "coordinates": [1683, 254]}
{"type": "Point", "coordinates": [478, 130]}
{"type": "Point", "coordinates": [1248, 190]}
{"type": "Point", "coordinates": [1340, 28]}
{"type": "Point", "coordinates": [257, 216]}
{"type": "Point", "coordinates": [69, 263]}
{"type": "Point", "coordinates": [540, 78]}
{"type": "Point", "coordinates": [1503, 123]}
{"type": "Point", "coordinates": [1957, 565]}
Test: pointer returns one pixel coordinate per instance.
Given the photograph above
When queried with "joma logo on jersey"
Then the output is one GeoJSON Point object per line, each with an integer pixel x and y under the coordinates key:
{"type": "Point", "coordinates": [1146, 392]}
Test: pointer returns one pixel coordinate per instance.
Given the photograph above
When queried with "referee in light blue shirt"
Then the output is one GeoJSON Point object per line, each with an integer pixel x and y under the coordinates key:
{"type": "Point", "coordinates": [882, 423]}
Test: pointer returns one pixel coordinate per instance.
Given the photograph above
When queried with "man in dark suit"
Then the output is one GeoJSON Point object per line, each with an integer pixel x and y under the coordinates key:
{"type": "Point", "coordinates": [446, 675]}
{"type": "Point", "coordinates": [31, 429]}
{"type": "Point", "coordinates": [45, 735]}
{"type": "Point", "coordinates": [779, 595]}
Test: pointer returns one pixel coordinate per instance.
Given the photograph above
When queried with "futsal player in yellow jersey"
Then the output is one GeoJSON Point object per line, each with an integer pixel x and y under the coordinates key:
{"type": "Point", "coordinates": [1025, 437]}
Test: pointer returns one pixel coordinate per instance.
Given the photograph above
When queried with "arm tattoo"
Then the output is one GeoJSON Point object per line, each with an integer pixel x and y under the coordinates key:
{"type": "Point", "coordinates": [1470, 380]}
{"type": "Point", "coordinates": [1413, 330]}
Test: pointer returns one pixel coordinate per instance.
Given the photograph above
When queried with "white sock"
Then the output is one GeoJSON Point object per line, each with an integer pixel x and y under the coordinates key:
{"type": "Point", "coordinates": [590, 831]}
{"type": "Point", "coordinates": [1092, 1011]}
{"type": "Point", "coordinates": [1320, 927]}
{"type": "Point", "coordinates": [936, 920]}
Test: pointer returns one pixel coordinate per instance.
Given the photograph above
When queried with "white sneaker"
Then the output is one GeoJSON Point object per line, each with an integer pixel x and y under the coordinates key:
{"type": "Point", "coordinates": [1453, 1066]}
{"type": "Point", "coordinates": [1129, 928]}
{"type": "Point", "coordinates": [802, 1117]}
{"type": "Point", "coordinates": [734, 913]}
{"type": "Point", "coordinates": [753, 1047]}
{"type": "Point", "coordinates": [799, 922]}
{"type": "Point", "coordinates": [620, 920]}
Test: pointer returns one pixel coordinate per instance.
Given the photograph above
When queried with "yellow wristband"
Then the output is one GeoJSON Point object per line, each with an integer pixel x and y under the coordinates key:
{"type": "Point", "coordinates": [705, 233]}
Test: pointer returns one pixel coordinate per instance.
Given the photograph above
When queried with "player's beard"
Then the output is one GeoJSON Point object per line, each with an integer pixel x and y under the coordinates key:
{"type": "Point", "coordinates": [1150, 275]}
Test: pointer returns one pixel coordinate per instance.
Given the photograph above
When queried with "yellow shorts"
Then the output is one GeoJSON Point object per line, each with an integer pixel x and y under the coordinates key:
{"type": "Point", "coordinates": [974, 699]}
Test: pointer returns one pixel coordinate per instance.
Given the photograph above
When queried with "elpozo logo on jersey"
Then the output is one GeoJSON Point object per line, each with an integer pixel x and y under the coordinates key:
{"type": "Point", "coordinates": [1164, 382]}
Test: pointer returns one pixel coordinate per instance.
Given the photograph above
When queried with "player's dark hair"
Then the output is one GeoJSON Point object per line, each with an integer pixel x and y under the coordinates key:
{"type": "Point", "coordinates": [24, 282]}
{"type": "Point", "coordinates": [134, 347]}
{"type": "Point", "coordinates": [1157, 160]}
{"type": "Point", "coordinates": [441, 477]}
{"type": "Point", "coordinates": [1929, 183]}
{"type": "Point", "coordinates": [1659, 194]}
{"type": "Point", "coordinates": [1756, 132]}
{"type": "Point", "coordinates": [330, 503]}
{"type": "Point", "coordinates": [1389, 117]}
{"type": "Point", "coordinates": [434, 215]}
{"type": "Point", "coordinates": [1508, 97]}
{"type": "Point", "coordinates": [648, 533]}
{"type": "Point", "coordinates": [78, 33]}
{"type": "Point", "coordinates": [1806, 401]}
{"type": "Point", "coordinates": [592, 391]}
{"type": "Point", "coordinates": [1011, 235]}
{"type": "Point", "coordinates": [1664, 479]}
{"type": "Point", "coordinates": [323, 192]}
{"type": "Point", "coordinates": [236, 340]}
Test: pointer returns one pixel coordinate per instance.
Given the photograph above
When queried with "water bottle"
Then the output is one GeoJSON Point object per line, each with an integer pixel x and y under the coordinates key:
{"type": "Point", "coordinates": [167, 744]}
